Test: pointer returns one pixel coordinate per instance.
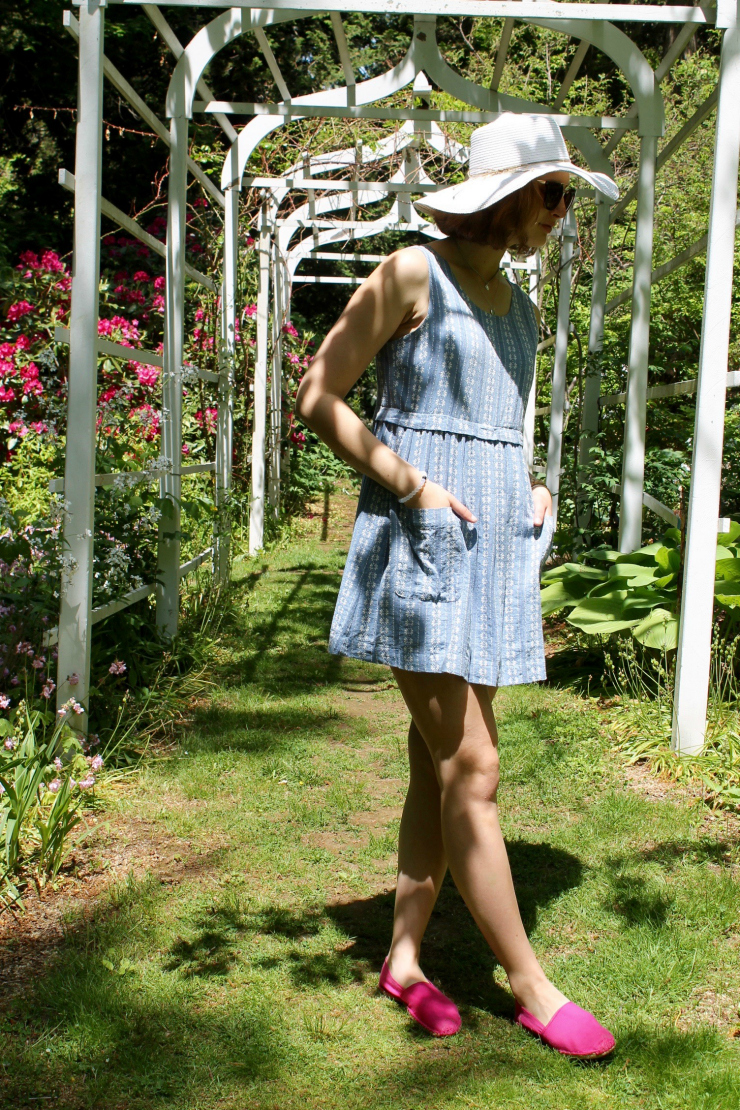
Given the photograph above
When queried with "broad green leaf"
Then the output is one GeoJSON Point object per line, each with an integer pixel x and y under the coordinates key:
{"type": "Point", "coordinates": [635, 575]}
{"type": "Point", "coordinates": [600, 615]}
{"type": "Point", "coordinates": [728, 570]}
{"type": "Point", "coordinates": [603, 554]}
{"type": "Point", "coordinates": [723, 554]}
{"type": "Point", "coordinates": [658, 630]}
{"type": "Point", "coordinates": [613, 588]}
{"type": "Point", "coordinates": [668, 559]}
{"type": "Point", "coordinates": [644, 557]}
{"type": "Point", "coordinates": [582, 571]}
{"type": "Point", "coordinates": [727, 593]}
{"type": "Point", "coordinates": [555, 596]}
{"type": "Point", "coordinates": [673, 534]}
{"type": "Point", "coordinates": [724, 539]}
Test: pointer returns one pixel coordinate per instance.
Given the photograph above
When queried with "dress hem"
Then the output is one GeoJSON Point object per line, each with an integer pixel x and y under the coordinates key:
{"type": "Point", "coordinates": [375, 655]}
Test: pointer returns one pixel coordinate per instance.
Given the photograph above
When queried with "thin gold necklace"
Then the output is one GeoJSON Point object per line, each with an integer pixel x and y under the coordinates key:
{"type": "Point", "coordinates": [470, 266]}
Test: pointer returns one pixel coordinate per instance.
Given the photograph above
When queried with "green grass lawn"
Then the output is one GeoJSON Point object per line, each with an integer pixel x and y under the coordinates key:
{"type": "Point", "coordinates": [241, 970]}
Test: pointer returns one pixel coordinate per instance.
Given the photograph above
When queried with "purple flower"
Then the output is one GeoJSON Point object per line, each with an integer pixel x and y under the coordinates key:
{"type": "Point", "coordinates": [87, 782]}
{"type": "Point", "coordinates": [73, 679]}
{"type": "Point", "coordinates": [117, 667]}
{"type": "Point", "coordinates": [55, 785]}
{"type": "Point", "coordinates": [48, 689]}
{"type": "Point", "coordinates": [15, 681]}
{"type": "Point", "coordinates": [97, 763]}
{"type": "Point", "coordinates": [10, 744]}
{"type": "Point", "coordinates": [4, 701]}
{"type": "Point", "coordinates": [38, 664]}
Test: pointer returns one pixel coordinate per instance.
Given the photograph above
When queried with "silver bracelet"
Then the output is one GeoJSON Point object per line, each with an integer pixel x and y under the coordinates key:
{"type": "Point", "coordinates": [422, 483]}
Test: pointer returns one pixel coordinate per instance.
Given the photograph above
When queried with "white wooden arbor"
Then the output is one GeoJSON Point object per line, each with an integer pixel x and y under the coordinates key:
{"type": "Point", "coordinates": [589, 24]}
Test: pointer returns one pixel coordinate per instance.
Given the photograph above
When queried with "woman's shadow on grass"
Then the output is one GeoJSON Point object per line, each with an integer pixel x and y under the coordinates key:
{"type": "Point", "coordinates": [455, 955]}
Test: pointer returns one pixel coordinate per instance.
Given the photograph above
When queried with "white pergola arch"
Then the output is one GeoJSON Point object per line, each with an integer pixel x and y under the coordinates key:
{"type": "Point", "coordinates": [589, 24]}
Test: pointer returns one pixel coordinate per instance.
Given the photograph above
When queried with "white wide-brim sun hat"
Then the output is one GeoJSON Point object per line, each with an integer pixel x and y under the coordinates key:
{"type": "Point", "coordinates": [505, 156]}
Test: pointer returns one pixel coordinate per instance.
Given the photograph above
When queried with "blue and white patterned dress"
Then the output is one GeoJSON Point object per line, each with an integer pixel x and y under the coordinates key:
{"type": "Point", "coordinates": [422, 589]}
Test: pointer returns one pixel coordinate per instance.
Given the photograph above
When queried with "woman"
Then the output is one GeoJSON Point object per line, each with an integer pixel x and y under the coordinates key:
{"type": "Point", "coordinates": [442, 576]}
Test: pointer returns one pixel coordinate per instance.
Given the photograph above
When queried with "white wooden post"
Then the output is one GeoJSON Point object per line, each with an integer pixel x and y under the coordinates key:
{"type": "Point", "coordinates": [633, 458]}
{"type": "Point", "coordinates": [694, 648]}
{"type": "Point", "coordinates": [257, 505]}
{"type": "Point", "coordinates": [557, 410]}
{"type": "Point", "coordinates": [529, 417]}
{"type": "Point", "coordinates": [168, 571]}
{"type": "Point", "coordinates": [276, 381]}
{"type": "Point", "coordinates": [592, 385]}
{"type": "Point", "coordinates": [225, 420]}
{"type": "Point", "coordinates": [75, 629]}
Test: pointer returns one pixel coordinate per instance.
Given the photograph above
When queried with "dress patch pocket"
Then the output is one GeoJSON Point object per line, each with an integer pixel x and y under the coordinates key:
{"type": "Point", "coordinates": [427, 554]}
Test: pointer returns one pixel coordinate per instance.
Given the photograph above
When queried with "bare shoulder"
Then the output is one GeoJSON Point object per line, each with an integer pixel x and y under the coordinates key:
{"type": "Point", "coordinates": [405, 269]}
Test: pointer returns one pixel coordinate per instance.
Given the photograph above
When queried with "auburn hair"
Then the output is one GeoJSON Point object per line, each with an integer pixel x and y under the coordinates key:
{"type": "Point", "coordinates": [503, 225]}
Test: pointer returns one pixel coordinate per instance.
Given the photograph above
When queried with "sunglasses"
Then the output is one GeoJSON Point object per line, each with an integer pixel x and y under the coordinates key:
{"type": "Point", "coordinates": [554, 192]}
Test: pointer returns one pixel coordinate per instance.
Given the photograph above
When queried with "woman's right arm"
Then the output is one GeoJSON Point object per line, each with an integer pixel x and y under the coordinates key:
{"type": "Point", "coordinates": [391, 302]}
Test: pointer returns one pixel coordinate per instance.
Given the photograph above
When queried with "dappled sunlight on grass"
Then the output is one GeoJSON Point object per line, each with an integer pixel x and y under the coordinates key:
{"type": "Point", "coordinates": [247, 977]}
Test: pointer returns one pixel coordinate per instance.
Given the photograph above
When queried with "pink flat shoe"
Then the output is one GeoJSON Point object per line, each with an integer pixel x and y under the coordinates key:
{"type": "Point", "coordinates": [427, 1005]}
{"type": "Point", "coordinates": [572, 1031]}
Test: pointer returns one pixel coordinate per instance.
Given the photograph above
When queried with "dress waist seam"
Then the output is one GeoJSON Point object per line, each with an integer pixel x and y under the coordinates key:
{"type": "Point", "coordinates": [442, 422]}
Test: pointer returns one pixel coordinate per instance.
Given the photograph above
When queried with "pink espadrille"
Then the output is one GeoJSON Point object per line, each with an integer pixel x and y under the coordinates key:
{"type": "Point", "coordinates": [427, 1005]}
{"type": "Point", "coordinates": [572, 1031]}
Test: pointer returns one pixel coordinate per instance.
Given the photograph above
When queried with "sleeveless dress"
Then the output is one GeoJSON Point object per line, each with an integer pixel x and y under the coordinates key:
{"type": "Point", "coordinates": [422, 589]}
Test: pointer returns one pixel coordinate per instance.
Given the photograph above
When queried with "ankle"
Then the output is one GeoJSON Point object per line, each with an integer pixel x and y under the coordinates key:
{"type": "Point", "coordinates": [404, 967]}
{"type": "Point", "coordinates": [537, 994]}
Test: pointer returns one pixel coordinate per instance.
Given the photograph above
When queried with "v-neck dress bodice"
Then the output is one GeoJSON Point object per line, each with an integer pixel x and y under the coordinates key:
{"type": "Point", "coordinates": [422, 589]}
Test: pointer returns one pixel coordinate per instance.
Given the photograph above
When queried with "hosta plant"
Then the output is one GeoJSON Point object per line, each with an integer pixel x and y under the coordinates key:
{"type": "Point", "coordinates": [610, 591]}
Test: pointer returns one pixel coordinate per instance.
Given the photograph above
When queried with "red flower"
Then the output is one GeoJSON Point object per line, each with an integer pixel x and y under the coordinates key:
{"type": "Point", "coordinates": [19, 310]}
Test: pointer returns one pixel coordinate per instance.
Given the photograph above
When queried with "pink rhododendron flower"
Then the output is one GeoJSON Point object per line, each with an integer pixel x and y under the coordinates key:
{"type": "Point", "coordinates": [141, 275]}
{"type": "Point", "coordinates": [18, 310]}
{"type": "Point", "coordinates": [28, 261]}
{"type": "Point", "coordinates": [18, 427]}
{"type": "Point", "coordinates": [6, 367]}
{"type": "Point", "coordinates": [22, 343]}
{"type": "Point", "coordinates": [147, 375]}
{"type": "Point", "coordinates": [159, 283]}
{"type": "Point", "coordinates": [38, 427]}
{"type": "Point", "coordinates": [250, 309]}
{"type": "Point", "coordinates": [208, 420]}
{"type": "Point", "coordinates": [51, 262]}
{"type": "Point", "coordinates": [290, 329]}
{"type": "Point", "coordinates": [7, 350]}
{"type": "Point", "coordinates": [158, 304]}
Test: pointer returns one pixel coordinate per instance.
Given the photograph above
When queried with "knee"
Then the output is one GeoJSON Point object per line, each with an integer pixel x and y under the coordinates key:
{"type": "Point", "coordinates": [472, 771]}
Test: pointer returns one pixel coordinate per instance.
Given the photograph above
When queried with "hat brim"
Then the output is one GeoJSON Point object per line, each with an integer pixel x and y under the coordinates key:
{"type": "Point", "coordinates": [484, 189]}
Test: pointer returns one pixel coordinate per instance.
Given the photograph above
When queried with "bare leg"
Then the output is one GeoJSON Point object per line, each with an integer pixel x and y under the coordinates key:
{"type": "Point", "coordinates": [457, 724]}
{"type": "Point", "coordinates": [421, 863]}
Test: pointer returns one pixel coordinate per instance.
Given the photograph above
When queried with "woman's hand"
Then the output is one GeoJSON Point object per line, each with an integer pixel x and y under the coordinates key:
{"type": "Point", "coordinates": [433, 496]}
{"type": "Point", "coordinates": [542, 504]}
